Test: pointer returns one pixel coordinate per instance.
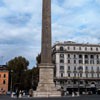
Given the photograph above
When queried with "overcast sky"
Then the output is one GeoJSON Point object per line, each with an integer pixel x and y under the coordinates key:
{"type": "Point", "coordinates": [20, 25]}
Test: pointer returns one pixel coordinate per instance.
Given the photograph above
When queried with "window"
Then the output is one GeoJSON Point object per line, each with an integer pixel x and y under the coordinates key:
{"type": "Point", "coordinates": [68, 55]}
{"type": "Point", "coordinates": [98, 62]}
{"type": "Point", "coordinates": [96, 49]}
{"type": "Point", "coordinates": [97, 75]}
{"type": "Point", "coordinates": [91, 49]}
{"type": "Point", "coordinates": [4, 82]}
{"type": "Point", "coordinates": [80, 61]}
{"type": "Point", "coordinates": [74, 56]}
{"type": "Point", "coordinates": [98, 69]}
{"type": "Point", "coordinates": [4, 75]}
{"type": "Point", "coordinates": [80, 74]}
{"type": "Point", "coordinates": [91, 61]}
{"type": "Point", "coordinates": [74, 74]}
{"type": "Point", "coordinates": [68, 74]}
{"type": "Point", "coordinates": [97, 56]}
{"type": "Point", "coordinates": [61, 55]}
{"type": "Point", "coordinates": [91, 68]}
{"type": "Point", "coordinates": [68, 48]}
{"type": "Point", "coordinates": [86, 68]}
{"type": "Point", "coordinates": [74, 61]}
{"type": "Point", "coordinates": [61, 48]}
{"type": "Point", "coordinates": [68, 67]}
{"type": "Point", "coordinates": [91, 56]}
{"type": "Point", "coordinates": [74, 48]}
{"type": "Point", "coordinates": [86, 75]}
{"type": "Point", "coordinates": [79, 48]}
{"type": "Point", "coordinates": [61, 61]}
{"type": "Point", "coordinates": [86, 62]}
{"type": "Point", "coordinates": [61, 67]}
{"type": "Point", "coordinates": [75, 68]}
{"type": "Point", "coordinates": [92, 75]}
{"type": "Point", "coordinates": [80, 56]}
{"type": "Point", "coordinates": [61, 74]}
{"type": "Point", "coordinates": [69, 61]}
{"type": "Point", "coordinates": [86, 56]}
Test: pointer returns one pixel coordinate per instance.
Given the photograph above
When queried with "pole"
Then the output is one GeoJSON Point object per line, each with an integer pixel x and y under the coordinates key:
{"type": "Point", "coordinates": [11, 85]}
{"type": "Point", "coordinates": [11, 82]}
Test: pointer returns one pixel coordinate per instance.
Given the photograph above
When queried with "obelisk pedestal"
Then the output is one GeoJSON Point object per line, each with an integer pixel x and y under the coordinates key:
{"type": "Point", "coordinates": [46, 86]}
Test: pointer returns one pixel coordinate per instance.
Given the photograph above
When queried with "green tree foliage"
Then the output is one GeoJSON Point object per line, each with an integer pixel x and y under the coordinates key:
{"type": "Point", "coordinates": [18, 71]}
{"type": "Point", "coordinates": [35, 77]}
{"type": "Point", "coordinates": [38, 59]}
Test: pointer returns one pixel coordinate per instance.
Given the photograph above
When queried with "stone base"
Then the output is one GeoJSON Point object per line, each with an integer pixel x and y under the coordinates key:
{"type": "Point", "coordinates": [46, 86]}
{"type": "Point", "coordinates": [47, 94]}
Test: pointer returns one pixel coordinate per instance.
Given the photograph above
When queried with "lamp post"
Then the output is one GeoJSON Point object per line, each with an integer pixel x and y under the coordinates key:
{"type": "Point", "coordinates": [11, 82]}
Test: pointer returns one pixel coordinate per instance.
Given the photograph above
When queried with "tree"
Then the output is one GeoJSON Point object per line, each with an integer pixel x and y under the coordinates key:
{"type": "Point", "coordinates": [35, 77]}
{"type": "Point", "coordinates": [18, 66]}
{"type": "Point", "coordinates": [38, 59]}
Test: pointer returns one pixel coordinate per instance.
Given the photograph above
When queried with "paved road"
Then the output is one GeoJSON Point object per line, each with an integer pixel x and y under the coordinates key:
{"type": "Point", "coordinates": [85, 97]}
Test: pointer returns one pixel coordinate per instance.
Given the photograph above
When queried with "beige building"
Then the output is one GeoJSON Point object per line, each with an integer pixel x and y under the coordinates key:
{"type": "Point", "coordinates": [4, 76]}
{"type": "Point", "coordinates": [77, 66]}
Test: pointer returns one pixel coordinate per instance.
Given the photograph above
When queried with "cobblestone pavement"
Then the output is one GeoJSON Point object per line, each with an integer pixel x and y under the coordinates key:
{"type": "Point", "coordinates": [83, 97]}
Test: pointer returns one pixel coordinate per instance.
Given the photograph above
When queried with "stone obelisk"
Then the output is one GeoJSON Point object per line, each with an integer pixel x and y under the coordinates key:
{"type": "Point", "coordinates": [46, 86]}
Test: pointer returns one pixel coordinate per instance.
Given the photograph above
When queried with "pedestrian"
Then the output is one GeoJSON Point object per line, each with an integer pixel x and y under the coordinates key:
{"type": "Point", "coordinates": [17, 93]}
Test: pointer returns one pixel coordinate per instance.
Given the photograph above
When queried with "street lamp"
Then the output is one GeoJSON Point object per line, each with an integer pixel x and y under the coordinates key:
{"type": "Point", "coordinates": [11, 82]}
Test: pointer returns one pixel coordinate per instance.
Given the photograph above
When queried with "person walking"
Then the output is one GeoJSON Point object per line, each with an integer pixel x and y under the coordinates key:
{"type": "Point", "coordinates": [17, 93]}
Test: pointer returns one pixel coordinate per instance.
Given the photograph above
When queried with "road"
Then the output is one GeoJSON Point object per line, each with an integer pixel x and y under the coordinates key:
{"type": "Point", "coordinates": [83, 97]}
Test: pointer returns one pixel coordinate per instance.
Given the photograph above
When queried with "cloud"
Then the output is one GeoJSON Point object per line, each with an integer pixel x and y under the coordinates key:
{"type": "Point", "coordinates": [18, 19]}
{"type": "Point", "coordinates": [20, 25]}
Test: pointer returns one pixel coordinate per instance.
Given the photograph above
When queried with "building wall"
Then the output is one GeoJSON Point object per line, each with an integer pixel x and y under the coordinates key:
{"type": "Point", "coordinates": [74, 61]}
{"type": "Point", "coordinates": [4, 76]}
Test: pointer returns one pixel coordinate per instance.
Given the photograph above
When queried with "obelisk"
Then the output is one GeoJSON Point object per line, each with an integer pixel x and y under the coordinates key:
{"type": "Point", "coordinates": [46, 86]}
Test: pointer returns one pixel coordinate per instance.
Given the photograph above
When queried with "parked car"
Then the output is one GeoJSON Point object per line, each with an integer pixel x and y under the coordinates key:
{"type": "Point", "coordinates": [8, 93]}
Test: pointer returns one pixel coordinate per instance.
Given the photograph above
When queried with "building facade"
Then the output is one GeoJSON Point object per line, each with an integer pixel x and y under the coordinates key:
{"type": "Point", "coordinates": [77, 66]}
{"type": "Point", "coordinates": [4, 76]}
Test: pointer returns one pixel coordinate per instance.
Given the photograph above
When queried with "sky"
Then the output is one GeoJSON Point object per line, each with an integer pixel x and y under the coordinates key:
{"type": "Point", "coordinates": [20, 26]}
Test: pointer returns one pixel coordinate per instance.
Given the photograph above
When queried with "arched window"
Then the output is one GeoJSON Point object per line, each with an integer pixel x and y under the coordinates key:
{"type": "Point", "coordinates": [68, 55]}
{"type": "Point", "coordinates": [61, 55]}
{"type": "Point", "coordinates": [80, 56]}
{"type": "Point", "coordinates": [4, 82]}
{"type": "Point", "coordinates": [61, 48]}
{"type": "Point", "coordinates": [4, 75]}
{"type": "Point", "coordinates": [91, 48]}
